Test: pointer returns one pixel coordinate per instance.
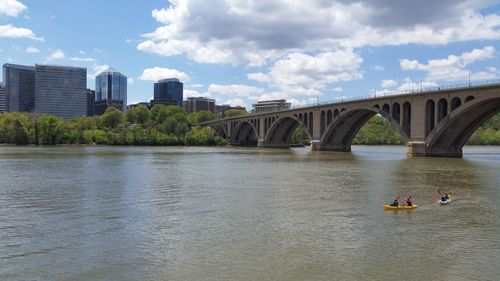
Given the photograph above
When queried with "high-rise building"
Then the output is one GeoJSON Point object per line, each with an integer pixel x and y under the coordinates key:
{"type": "Point", "coordinates": [111, 86]}
{"type": "Point", "coordinates": [20, 87]}
{"type": "Point", "coordinates": [61, 90]}
{"type": "Point", "coordinates": [271, 105]}
{"type": "Point", "coordinates": [3, 98]}
{"type": "Point", "coordinates": [168, 92]}
{"type": "Point", "coordinates": [90, 102]}
{"type": "Point", "coordinates": [198, 104]}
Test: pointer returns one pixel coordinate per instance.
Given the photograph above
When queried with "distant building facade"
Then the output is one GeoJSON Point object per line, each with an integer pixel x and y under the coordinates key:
{"type": "Point", "coordinates": [61, 90]}
{"type": "Point", "coordinates": [3, 98]}
{"type": "Point", "coordinates": [271, 105]}
{"type": "Point", "coordinates": [199, 104]}
{"type": "Point", "coordinates": [90, 102]}
{"type": "Point", "coordinates": [20, 88]}
{"type": "Point", "coordinates": [111, 89]}
{"type": "Point", "coordinates": [168, 92]}
{"type": "Point", "coordinates": [146, 104]}
{"type": "Point", "coordinates": [225, 107]}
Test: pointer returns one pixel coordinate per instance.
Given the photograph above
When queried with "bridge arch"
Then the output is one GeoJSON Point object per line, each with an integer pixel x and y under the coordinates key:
{"type": "Point", "coordinates": [449, 136]}
{"type": "Point", "coordinates": [442, 109]}
{"type": "Point", "coordinates": [430, 116]}
{"type": "Point", "coordinates": [281, 131]}
{"type": "Point", "coordinates": [245, 134]}
{"type": "Point", "coordinates": [456, 102]}
{"type": "Point", "coordinates": [339, 135]}
{"type": "Point", "coordinates": [221, 131]}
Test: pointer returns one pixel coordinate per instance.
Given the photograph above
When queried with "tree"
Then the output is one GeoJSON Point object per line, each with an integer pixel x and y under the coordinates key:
{"type": "Point", "coordinates": [111, 118]}
{"type": "Point", "coordinates": [196, 118]}
{"type": "Point", "coordinates": [235, 112]}
{"type": "Point", "coordinates": [14, 128]}
{"type": "Point", "coordinates": [299, 135]}
{"type": "Point", "coordinates": [50, 129]}
{"type": "Point", "coordinates": [203, 136]}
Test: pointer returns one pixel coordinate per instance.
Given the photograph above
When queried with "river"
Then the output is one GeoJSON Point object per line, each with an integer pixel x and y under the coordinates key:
{"type": "Point", "coordinates": [229, 213]}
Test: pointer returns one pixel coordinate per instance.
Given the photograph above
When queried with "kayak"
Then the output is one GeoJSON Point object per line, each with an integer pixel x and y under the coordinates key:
{"type": "Point", "coordinates": [445, 202]}
{"type": "Point", "coordinates": [448, 201]}
{"type": "Point", "coordinates": [394, 208]}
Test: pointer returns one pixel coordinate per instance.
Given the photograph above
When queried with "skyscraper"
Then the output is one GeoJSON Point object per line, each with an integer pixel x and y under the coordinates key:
{"type": "Point", "coordinates": [111, 88]}
{"type": "Point", "coordinates": [168, 92]}
{"type": "Point", "coordinates": [61, 90]}
{"type": "Point", "coordinates": [20, 87]}
{"type": "Point", "coordinates": [3, 98]}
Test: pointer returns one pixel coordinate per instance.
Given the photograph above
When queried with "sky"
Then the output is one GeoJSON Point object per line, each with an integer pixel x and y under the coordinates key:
{"type": "Point", "coordinates": [239, 52]}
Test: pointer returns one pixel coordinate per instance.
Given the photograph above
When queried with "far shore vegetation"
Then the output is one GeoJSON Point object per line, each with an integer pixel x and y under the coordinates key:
{"type": "Point", "coordinates": [170, 125]}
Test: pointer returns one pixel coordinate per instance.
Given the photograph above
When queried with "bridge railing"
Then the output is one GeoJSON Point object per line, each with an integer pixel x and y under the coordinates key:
{"type": "Point", "coordinates": [340, 100]}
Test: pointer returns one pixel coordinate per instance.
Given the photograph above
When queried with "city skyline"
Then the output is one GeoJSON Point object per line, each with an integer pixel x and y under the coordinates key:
{"type": "Point", "coordinates": [241, 52]}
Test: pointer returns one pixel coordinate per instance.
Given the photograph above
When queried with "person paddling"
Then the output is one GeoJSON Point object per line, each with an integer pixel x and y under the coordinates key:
{"type": "Point", "coordinates": [395, 202]}
{"type": "Point", "coordinates": [444, 197]}
{"type": "Point", "coordinates": [408, 201]}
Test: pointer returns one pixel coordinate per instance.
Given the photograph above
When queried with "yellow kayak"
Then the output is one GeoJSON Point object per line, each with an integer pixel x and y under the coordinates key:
{"type": "Point", "coordinates": [394, 208]}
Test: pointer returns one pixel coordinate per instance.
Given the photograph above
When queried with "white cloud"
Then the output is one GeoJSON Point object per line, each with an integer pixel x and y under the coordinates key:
{"type": "Point", "coordinates": [274, 96]}
{"type": "Point", "coordinates": [414, 86]}
{"type": "Point", "coordinates": [10, 31]}
{"type": "Point", "coordinates": [158, 73]}
{"type": "Point", "coordinates": [234, 90]}
{"type": "Point", "coordinates": [389, 83]}
{"type": "Point", "coordinates": [256, 32]}
{"type": "Point", "coordinates": [304, 75]}
{"type": "Point", "coordinates": [453, 67]}
{"type": "Point", "coordinates": [81, 59]}
{"type": "Point", "coordinates": [235, 102]}
{"type": "Point", "coordinates": [299, 69]}
{"type": "Point", "coordinates": [259, 76]}
{"type": "Point", "coordinates": [32, 50]}
{"type": "Point", "coordinates": [378, 68]}
{"type": "Point", "coordinates": [98, 68]}
{"type": "Point", "coordinates": [130, 81]}
{"type": "Point", "coordinates": [337, 89]}
{"type": "Point", "coordinates": [57, 55]}
{"type": "Point", "coordinates": [188, 93]}
{"type": "Point", "coordinates": [11, 8]}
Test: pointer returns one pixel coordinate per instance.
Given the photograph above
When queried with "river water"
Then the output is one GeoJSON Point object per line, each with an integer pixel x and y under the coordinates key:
{"type": "Point", "coordinates": [227, 213]}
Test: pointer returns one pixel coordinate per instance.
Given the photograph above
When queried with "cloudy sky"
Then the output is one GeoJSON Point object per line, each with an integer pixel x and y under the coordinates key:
{"type": "Point", "coordinates": [241, 51]}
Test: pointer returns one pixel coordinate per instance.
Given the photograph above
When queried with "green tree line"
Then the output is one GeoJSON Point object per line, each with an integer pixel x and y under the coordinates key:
{"type": "Point", "coordinates": [162, 125]}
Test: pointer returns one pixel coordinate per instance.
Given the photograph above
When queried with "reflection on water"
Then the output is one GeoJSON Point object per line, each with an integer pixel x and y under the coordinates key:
{"type": "Point", "coordinates": [147, 213]}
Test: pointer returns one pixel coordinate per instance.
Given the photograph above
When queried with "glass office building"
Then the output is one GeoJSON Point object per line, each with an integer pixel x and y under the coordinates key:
{"type": "Point", "coordinates": [168, 91]}
{"type": "Point", "coordinates": [3, 98]}
{"type": "Point", "coordinates": [111, 87]}
{"type": "Point", "coordinates": [20, 88]}
{"type": "Point", "coordinates": [61, 90]}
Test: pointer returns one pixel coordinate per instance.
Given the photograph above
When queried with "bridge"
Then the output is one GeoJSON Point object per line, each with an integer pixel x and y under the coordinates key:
{"type": "Point", "coordinates": [435, 122]}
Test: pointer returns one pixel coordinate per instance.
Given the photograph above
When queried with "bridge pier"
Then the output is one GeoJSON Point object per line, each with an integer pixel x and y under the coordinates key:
{"type": "Point", "coordinates": [416, 149]}
{"type": "Point", "coordinates": [260, 143]}
{"type": "Point", "coordinates": [315, 145]}
{"type": "Point", "coordinates": [419, 149]}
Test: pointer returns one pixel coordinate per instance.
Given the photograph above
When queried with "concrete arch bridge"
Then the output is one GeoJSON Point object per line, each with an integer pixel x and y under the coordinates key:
{"type": "Point", "coordinates": [432, 123]}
